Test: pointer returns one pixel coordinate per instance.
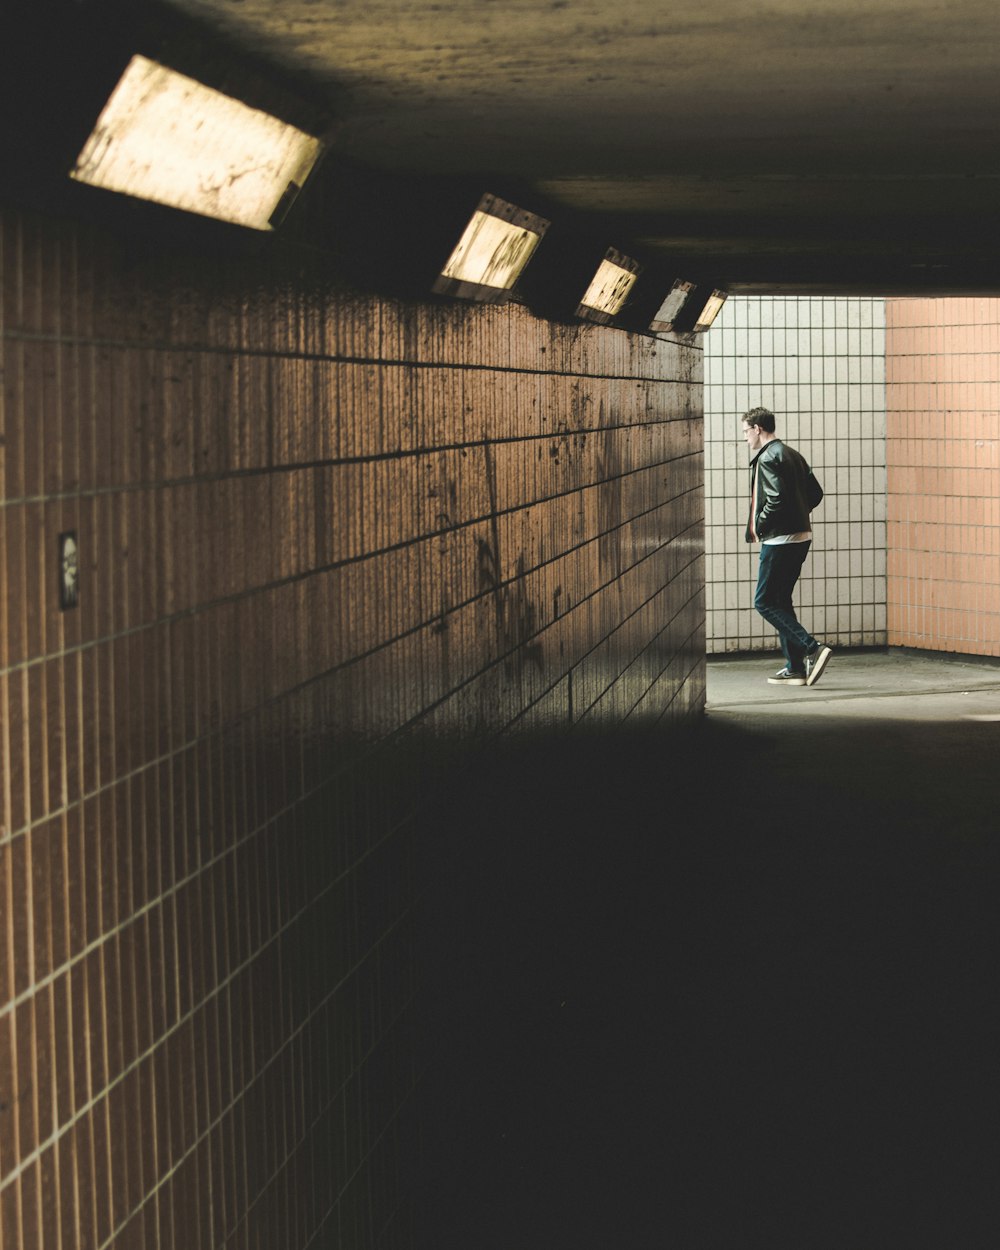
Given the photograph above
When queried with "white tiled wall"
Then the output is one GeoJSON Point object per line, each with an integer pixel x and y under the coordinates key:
{"type": "Point", "coordinates": [819, 365]}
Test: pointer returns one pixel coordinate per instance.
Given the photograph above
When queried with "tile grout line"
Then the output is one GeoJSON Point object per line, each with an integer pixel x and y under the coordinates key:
{"type": "Point", "coordinates": [60, 1132]}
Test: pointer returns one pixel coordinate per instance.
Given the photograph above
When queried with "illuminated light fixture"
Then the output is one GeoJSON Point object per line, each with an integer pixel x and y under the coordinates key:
{"type": "Point", "coordinates": [669, 311]}
{"type": "Point", "coordinates": [709, 312]}
{"type": "Point", "coordinates": [491, 255]}
{"type": "Point", "coordinates": [168, 138]}
{"type": "Point", "coordinates": [609, 287]}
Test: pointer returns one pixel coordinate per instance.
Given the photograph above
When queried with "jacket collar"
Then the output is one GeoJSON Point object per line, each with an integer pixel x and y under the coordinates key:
{"type": "Point", "coordinates": [773, 442]}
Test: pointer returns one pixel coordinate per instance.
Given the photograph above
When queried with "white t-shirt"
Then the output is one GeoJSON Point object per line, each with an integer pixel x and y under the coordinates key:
{"type": "Point", "coordinates": [804, 537]}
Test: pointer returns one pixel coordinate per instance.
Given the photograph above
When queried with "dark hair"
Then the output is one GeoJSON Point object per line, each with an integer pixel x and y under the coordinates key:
{"type": "Point", "coordinates": [760, 416]}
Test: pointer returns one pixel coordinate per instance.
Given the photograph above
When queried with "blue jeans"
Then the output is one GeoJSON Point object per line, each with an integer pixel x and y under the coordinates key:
{"type": "Point", "coordinates": [780, 566]}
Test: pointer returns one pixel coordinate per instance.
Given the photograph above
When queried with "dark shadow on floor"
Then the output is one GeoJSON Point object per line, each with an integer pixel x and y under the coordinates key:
{"type": "Point", "coordinates": [737, 988]}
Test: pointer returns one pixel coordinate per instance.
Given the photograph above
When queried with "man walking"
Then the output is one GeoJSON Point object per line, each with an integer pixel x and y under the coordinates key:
{"type": "Point", "coordinates": [783, 491]}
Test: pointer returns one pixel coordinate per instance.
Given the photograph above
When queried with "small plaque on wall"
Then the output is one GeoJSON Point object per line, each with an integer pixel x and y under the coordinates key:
{"type": "Point", "coordinates": [69, 570]}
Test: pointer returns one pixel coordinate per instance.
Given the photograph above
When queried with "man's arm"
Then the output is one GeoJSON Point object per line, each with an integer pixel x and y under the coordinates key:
{"type": "Point", "coordinates": [769, 493]}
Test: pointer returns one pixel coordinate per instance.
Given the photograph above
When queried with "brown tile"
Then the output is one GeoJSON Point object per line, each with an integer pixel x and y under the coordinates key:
{"type": "Point", "coordinates": [214, 1084]}
{"type": "Point", "coordinates": [151, 814]}
{"type": "Point", "coordinates": [123, 1164]}
{"type": "Point", "coordinates": [163, 795]}
{"type": "Point", "coordinates": [44, 1062]}
{"type": "Point", "coordinates": [88, 709]}
{"type": "Point", "coordinates": [65, 1036]}
{"type": "Point", "coordinates": [216, 1169]}
{"type": "Point", "coordinates": [124, 711]}
{"type": "Point", "coordinates": [152, 974]}
{"type": "Point", "coordinates": [103, 721]}
{"type": "Point", "coordinates": [6, 919]}
{"type": "Point", "coordinates": [135, 839]}
{"type": "Point", "coordinates": [33, 382]}
{"type": "Point", "coordinates": [114, 1017]}
{"type": "Point", "coordinates": [185, 939]}
{"type": "Point", "coordinates": [8, 1096]}
{"type": "Point", "coordinates": [18, 766]}
{"type": "Point", "coordinates": [97, 1059]}
{"type": "Point", "coordinates": [160, 1099]}
{"type": "Point", "coordinates": [171, 1095]}
{"type": "Point", "coordinates": [151, 1169]}
{"type": "Point", "coordinates": [73, 727]}
{"type": "Point", "coordinates": [24, 1051]}
{"type": "Point", "coordinates": [65, 1152]}
{"type": "Point", "coordinates": [142, 986]}
{"type": "Point", "coordinates": [20, 914]}
{"type": "Point", "coordinates": [38, 740]}
{"type": "Point", "coordinates": [76, 884]}
{"type": "Point", "coordinates": [204, 1207]}
{"type": "Point", "coordinates": [129, 1099]}
{"type": "Point", "coordinates": [31, 1214]}
{"type": "Point", "coordinates": [126, 999]}
{"type": "Point", "coordinates": [170, 969]}
{"type": "Point", "coordinates": [79, 1034]}
{"type": "Point", "coordinates": [93, 869]}
{"type": "Point", "coordinates": [120, 858]}
{"type": "Point", "coordinates": [184, 1204]}
{"type": "Point", "coordinates": [104, 1175]}
{"type": "Point", "coordinates": [85, 1204]}
{"type": "Point", "coordinates": [49, 1197]}
{"type": "Point", "coordinates": [40, 841]}
{"type": "Point", "coordinates": [10, 1216]}
{"type": "Point", "coordinates": [166, 1221]}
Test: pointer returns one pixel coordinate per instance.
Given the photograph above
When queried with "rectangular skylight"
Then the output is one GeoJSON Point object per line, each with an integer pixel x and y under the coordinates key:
{"type": "Point", "coordinates": [168, 138]}
{"type": "Point", "coordinates": [609, 288]}
{"type": "Point", "coordinates": [495, 246]}
{"type": "Point", "coordinates": [710, 311]}
{"type": "Point", "coordinates": [668, 311]}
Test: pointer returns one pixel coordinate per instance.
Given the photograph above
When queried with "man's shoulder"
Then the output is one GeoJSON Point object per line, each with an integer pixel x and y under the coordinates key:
{"type": "Point", "coordinates": [773, 450]}
{"type": "Point", "coordinates": [782, 451]}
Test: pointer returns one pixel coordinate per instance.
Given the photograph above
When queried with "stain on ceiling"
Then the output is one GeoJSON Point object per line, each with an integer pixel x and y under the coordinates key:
{"type": "Point", "coordinates": [831, 145]}
{"type": "Point", "coordinates": [834, 145]}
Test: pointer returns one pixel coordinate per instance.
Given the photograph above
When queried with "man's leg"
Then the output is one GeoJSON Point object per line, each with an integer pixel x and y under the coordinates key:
{"type": "Point", "coordinates": [780, 566]}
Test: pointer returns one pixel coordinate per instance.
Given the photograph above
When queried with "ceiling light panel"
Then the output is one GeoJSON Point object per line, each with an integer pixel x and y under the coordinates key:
{"type": "Point", "coordinates": [712, 308]}
{"type": "Point", "coordinates": [669, 310]}
{"type": "Point", "coordinates": [168, 138]}
{"type": "Point", "coordinates": [495, 246]}
{"type": "Point", "coordinates": [609, 288]}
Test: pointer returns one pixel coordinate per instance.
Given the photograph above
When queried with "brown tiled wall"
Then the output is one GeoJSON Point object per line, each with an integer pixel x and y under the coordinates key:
{"type": "Point", "coordinates": [943, 453]}
{"type": "Point", "coordinates": [313, 528]}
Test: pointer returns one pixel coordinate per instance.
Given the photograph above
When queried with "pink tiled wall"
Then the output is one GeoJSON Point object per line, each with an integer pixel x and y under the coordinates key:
{"type": "Point", "coordinates": [317, 532]}
{"type": "Point", "coordinates": [943, 454]}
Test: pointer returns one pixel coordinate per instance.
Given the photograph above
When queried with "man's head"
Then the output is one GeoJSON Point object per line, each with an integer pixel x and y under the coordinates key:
{"type": "Point", "coordinates": [758, 427]}
{"type": "Point", "coordinates": [762, 417]}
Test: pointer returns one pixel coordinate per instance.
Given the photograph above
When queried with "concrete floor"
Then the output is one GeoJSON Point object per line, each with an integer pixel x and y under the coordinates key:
{"type": "Point", "coordinates": [732, 989]}
{"type": "Point", "coordinates": [860, 686]}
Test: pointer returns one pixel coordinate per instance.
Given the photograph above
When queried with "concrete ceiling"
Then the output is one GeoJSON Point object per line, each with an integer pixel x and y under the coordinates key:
{"type": "Point", "coordinates": [811, 145]}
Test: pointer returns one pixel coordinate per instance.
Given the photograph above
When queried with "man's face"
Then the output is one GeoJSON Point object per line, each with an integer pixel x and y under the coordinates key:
{"type": "Point", "coordinates": [754, 436]}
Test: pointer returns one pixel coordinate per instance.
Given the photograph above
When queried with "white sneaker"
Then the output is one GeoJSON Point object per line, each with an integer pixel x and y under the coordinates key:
{"type": "Point", "coordinates": [787, 678]}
